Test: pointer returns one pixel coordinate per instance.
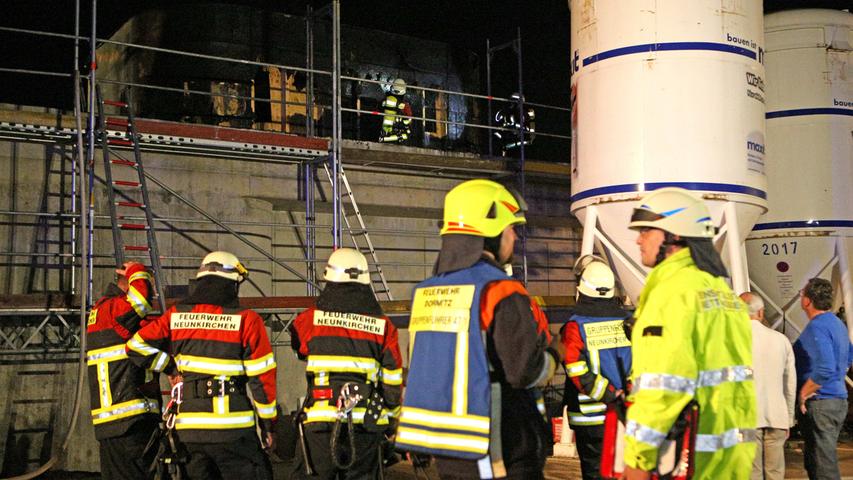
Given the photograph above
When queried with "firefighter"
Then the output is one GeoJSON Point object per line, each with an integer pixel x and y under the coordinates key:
{"type": "Point", "coordinates": [219, 350]}
{"type": "Point", "coordinates": [346, 339]}
{"type": "Point", "coordinates": [125, 402]}
{"type": "Point", "coordinates": [508, 119]}
{"type": "Point", "coordinates": [598, 359]}
{"type": "Point", "coordinates": [479, 348]}
{"type": "Point", "coordinates": [692, 340]}
{"type": "Point", "coordinates": [396, 128]}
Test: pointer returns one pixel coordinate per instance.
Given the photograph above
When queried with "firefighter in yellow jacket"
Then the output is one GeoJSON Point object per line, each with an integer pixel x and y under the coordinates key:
{"type": "Point", "coordinates": [691, 340]}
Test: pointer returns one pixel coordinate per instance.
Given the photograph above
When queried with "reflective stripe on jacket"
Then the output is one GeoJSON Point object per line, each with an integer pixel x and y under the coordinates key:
{"type": "Point", "coordinates": [348, 347]}
{"type": "Point", "coordinates": [597, 357]}
{"type": "Point", "coordinates": [210, 342]}
{"type": "Point", "coordinates": [115, 382]}
{"type": "Point", "coordinates": [692, 339]}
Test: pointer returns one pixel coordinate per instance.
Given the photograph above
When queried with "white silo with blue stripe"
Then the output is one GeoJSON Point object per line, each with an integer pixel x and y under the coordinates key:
{"type": "Point", "coordinates": [808, 229]}
{"type": "Point", "coordinates": [666, 93]}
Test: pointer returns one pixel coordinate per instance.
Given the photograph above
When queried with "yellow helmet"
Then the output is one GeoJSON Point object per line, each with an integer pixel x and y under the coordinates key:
{"type": "Point", "coordinates": [481, 208]}
{"type": "Point", "coordinates": [674, 210]}
{"type": "Point", "coordinates": [222, 264]}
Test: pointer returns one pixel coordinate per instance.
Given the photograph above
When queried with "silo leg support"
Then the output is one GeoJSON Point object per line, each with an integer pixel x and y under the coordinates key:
{"type": "Point", "coordinates": [846, 280]}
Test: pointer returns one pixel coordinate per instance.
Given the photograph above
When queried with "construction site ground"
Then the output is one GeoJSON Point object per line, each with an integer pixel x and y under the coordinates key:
{"type": "Point", "coordinates": [556, 468]}
{"type": "Point", "coordinates": [563, 468]}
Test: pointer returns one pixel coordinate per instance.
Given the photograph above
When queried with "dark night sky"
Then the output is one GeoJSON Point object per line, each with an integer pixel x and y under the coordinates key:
{"type": "Point", "coordinates": [467, 23]}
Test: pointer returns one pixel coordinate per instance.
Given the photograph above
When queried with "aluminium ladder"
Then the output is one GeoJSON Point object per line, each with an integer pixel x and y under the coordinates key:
{"type": "Point", "coordinates": [377, 276]}
{"type": "Point", "coordinates": [128, 191]}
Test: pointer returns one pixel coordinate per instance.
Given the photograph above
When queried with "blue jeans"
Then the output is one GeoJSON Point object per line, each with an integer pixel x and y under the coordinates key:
{"type": "Point", "coordinates": [820, 426]}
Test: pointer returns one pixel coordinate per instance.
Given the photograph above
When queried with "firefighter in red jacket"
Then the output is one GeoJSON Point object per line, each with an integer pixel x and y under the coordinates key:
{"type": "Point", "coordinates": [349, 344]}
{"type": "Point", "coordinates": [124, 397]}
{"type": "Point", "coordinates": [220, 350]}
{"type": "Point", "coordinates": [597, 360]}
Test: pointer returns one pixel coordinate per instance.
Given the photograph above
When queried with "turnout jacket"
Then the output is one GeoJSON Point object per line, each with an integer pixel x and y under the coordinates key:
{"type": "Point", "coordinates": [220, 350]}
{"type": "Point", "coordinates": [478, 348]}
{"type": "Point", "coordinates": [343, 347]}
{"type": "Point", "coordinates": [116, 385]}
{"type": "Point", "coordinates": [692, 340]}
{"type": "Point", "coordinates": [597, 359]}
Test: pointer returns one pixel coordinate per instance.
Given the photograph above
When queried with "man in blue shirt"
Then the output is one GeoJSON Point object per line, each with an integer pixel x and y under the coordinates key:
{"type": "Point", "coordinates": [823, 353]}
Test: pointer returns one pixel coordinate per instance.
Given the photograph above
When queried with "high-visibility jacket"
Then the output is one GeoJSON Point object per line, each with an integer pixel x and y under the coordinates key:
{"type": "Point", "coordinates": [449, 407]}
{"type": "Point", "coordinates": [348, 347]}
{"type": "Point", "coordinates": [598, 357]}
{"type": "Point", "coordinates": [392, 108]}
{"type": "Point", "coordinates": [692, 339]}
{"type": "Point", "coordinates": [211, 343]}
{"type": "Point", "coordinates": [115, 382]}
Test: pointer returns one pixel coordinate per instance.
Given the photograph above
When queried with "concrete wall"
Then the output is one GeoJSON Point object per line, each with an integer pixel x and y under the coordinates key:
{"type": "Point", "coordinates": [257, 199]}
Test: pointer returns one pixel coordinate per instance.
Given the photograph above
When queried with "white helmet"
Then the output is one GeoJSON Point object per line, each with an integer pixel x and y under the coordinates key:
{"type": "Point", "coordinates": [347, 265]}
{"type": "Point", "coordinates": [595, 279]}
{"type": "Point", "coordinates": [398, 87]}
{"type": "Point", "coordinates": [222, 264]}
{"type": "Point", "coordinates": [674, 210]}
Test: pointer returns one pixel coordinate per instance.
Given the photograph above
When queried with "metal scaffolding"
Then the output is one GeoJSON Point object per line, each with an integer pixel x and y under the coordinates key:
{"type": "Point", "coordinates": [82, 214]}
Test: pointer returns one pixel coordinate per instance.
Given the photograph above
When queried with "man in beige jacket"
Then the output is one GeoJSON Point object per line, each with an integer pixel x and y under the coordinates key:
{"type": "Point", "coordinates": [775, 389]}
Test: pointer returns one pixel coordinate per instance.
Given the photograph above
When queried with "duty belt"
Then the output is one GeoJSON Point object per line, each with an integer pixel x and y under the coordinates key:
{"type": "Point", "coordinates": [214, 387]}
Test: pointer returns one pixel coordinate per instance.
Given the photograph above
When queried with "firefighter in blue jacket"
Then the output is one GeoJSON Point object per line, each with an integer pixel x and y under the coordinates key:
{"type": "Point", "coordinates": [597, 359]}
{"type": "Point", "coordinates": [479, 348]}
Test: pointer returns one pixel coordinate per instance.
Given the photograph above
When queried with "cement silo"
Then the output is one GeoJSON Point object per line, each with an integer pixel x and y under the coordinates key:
{"type": "Point", "coordinates": [808, 229]}
{"type": "Point", "coordinates": [666, 93]}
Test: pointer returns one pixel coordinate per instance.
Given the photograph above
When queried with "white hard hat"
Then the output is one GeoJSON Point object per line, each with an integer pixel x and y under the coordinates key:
{"type": "Point", "coordinates": [222, 264]}
{"type": "Point", "coordinates": [398, 87]}
{"type": "Point", "coordinates": [595, 279]}
{"type": "Point", "coordinates": [674, 210]}
{"type": "Point", "coordinates": [347, 265]}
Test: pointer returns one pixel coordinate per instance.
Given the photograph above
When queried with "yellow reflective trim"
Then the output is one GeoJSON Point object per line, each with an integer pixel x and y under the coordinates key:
{"type": "Point", "coordinates": [599, 387]}
{"type": "Point", "coordinates": [122, 410]}
{"type": "Point", "coordinates": [209, 365]}
{"type": "Point", "coordinates": [104, 390]}
{"type": "Point", "coordinates": [577, 369]}
{"type": "Point", "coordinates": [326, 413]}
{"type": "Point", "coordinates": [107, 354]}
{"type": "Point", "coordinates": [207, 420]}
{"type": "Point", "coordinates": [447, 441]}
{"type": "Point", "coordinates": [259, 366]}
{"type": "Point", "coordinates": [138, 345]}
{"type": "Point", "coordinates": [265, 410]}
{"type": "Point", "coordinates": [138, 302]}
{"type": "Point", "coordinates": [460, 377]}
{"type": "Point", "coordinates": [142, 275]}
{"type": "Point", "coordinates": [392, 377]}
{"type": "Point", "coordinates": [428, 418]}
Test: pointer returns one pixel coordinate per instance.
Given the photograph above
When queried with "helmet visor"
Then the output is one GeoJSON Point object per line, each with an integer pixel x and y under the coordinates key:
{"type": "Point", "coordinates": [643, 215]}
{"type": "Point", "coordinates": [522, 205]}
{"type": "Point", "coordinates": [218, 267]}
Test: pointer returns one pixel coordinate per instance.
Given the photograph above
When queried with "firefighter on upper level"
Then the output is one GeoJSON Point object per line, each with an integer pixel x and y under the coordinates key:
{"type": "Point", "coordinates": [220, 350]}
{"type": "Point", "coordinates": [125, 397]}
{"type": "Point", "coordinates": [349, 344]}
{"type": "Point", "coordinates": [396, 128]}
{"type": "Point", "coordinates": [514, 126]}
